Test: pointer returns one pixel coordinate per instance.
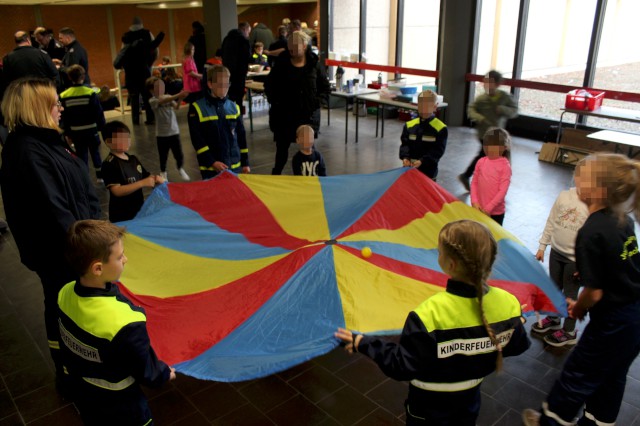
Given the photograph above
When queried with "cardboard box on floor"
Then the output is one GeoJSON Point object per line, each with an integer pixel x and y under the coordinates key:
{"type": "Point", "coordinates": [573, 138]}
{"type": "Point", "coordinates": [578, 138]}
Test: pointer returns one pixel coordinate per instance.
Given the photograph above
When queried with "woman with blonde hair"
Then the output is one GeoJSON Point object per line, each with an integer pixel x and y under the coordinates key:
{"type": "Point", "coordinates": [45, 188]}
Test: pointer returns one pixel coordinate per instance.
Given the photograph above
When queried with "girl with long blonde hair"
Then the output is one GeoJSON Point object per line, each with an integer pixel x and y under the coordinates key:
{"type": "Point", "coordinates": [453, 339]}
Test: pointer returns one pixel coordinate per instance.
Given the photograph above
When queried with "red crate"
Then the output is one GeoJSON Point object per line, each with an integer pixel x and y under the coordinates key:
{"type": "Point", "coordinates": [584, 99]}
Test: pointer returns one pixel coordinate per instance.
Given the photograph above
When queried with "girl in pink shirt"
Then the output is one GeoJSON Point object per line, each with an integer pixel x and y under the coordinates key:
{"type": "Point", "coordinates": [192, 81]}
{"type": "Point", "coordinates": [492, 175]}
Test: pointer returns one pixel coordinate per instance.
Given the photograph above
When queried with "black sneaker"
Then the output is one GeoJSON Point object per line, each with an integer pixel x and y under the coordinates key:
{"type": "Point", "coordinates": [547, 324]}
{"type": "Point", "coordinates": [561, 338]}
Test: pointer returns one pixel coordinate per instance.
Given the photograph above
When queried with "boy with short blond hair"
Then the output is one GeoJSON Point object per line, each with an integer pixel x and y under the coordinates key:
{"type": "Point", "coordinates": [216, 128]}
{"type": "Point", "coordinates": [104, 341]}
{"type": "Point", "coordinates": [424, 139]}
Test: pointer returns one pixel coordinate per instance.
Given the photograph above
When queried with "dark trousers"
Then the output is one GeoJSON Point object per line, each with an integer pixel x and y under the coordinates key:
{"type": "Point", "coordinates": [166, 143]}
{"type": "Point", "coordinates": [498, 218]}
{"type": "Point", "coordinates": [282, 156]}
{"type": "Point", "coordinates": [135, 94]}
{"type": "Point", "coordinates": [127, 407]}
{"type": "Point", "coordinates": [472, 167]}
{"type": "Point", "coordinates": [596, 372]}
{"type": "Point", "coordinates": [442, 408]}
{"type": "Point", "coordinates": [562, 272]}
{"type": "Point", "coordinates": [52, 281]}
{"type": "Point", "coordinates": [85, 144]}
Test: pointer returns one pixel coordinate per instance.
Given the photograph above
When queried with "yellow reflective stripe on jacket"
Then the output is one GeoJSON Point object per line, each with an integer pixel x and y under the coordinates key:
{"type": "Point", "coordinates": [200, 115]}
{"type": "Point", "coordinates": [104, 384]}
{"type": "Point", "coordinates": [413, 122]}
{"type": "Point", "coordinates": [235, 166]}
{"type": "Point", "coordinates": [244, 151]}
{"type": "Point", "coordinates": [203, 149]}
{"type": "Point", "coordinates": [447, 387]}
{"type": "Point", "coordinates": [54, 344]}
{"type": "Point", "coordinates": [114, 314]}
{"type": "Point", "coordinates": [77, 91]}
{"type": "Point", "coordinates": [437, 124]}
{"type": "Point", "coordinates": [435, 313]}
{"type": "Point", "coordinates": [206, 168]}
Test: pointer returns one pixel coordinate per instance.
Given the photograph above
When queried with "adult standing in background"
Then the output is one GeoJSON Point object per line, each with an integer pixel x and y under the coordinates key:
{"type": "Point", "coordinates": [293, 89]}
{"type": "Point", "coordinates": [278, 46]}
{"type": "Point", "coordinates": [141, 52]}
{"type": "Point", "coordinates": [199, 42]}
{"type": "Point", "coordinates": [236, 55]}
{"type": "Point", "coordinates": [48, 43]}
{"type": "Point", "coordinates": [261, 33]}
{"type": "Point", "coordinates": [45, 189]}
{"type": "Point", "coordinates": [75, 54]}
{"type": "Point", "coordinates": [26, 61]}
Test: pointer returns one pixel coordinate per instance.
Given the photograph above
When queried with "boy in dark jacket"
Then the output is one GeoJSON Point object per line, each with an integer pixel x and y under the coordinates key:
{"type": "Point", "coordinates": [83, 118]}
{"type": "Point", "coordinates": [216, 128]}
{"type": "Point", "coordinates": [104, 341]}
{"type": "Point", "coordinates": [424, 139]}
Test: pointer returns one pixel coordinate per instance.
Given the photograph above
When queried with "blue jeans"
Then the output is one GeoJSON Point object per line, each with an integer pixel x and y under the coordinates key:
{"type": "Point", "coordinates": [596, 372]}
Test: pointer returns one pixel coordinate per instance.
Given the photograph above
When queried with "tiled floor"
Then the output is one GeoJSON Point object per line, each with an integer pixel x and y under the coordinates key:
{"type": "Point", "coordinates": [330, 390]}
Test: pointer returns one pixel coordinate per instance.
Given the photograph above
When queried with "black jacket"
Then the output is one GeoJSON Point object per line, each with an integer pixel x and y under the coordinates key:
{"type": "Point", "coordinates": [139, 57]}
{"type": "Point", "coordinates": [27, 61]}
{"type": "Point", "coordinates": [45, 188]}
{"type": "Point", "coordinates": [261, 33]}
{"type": "Point", "coordinates": [54, 49]}
{"type": "Point", "coordinates": [236, 53]}
{"type": "Point", "coordinates": [294, 95]}
{"type": "Point", "coordinates": [75, 55]}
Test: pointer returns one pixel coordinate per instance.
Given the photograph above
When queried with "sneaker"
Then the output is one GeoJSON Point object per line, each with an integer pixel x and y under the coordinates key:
{"type": "Point", "coordinates": [164, 176]}
{"type": "Point", "coordinates": [530, 417]}
{"type": "Point", "coordinates": [546, 324]}
{"type": "Point", "coordinates": [184, 175]}
{"type": "Point", "coordinates": [464, 180]}
{"type": "Point", "coordinates": [561, 338]}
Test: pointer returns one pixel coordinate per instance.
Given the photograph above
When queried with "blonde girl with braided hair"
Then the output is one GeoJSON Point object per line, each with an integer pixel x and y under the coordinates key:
{"type": "Point", "coordinates": [454, 339]}
{"type": "Point", "coordinates": [608, 261]}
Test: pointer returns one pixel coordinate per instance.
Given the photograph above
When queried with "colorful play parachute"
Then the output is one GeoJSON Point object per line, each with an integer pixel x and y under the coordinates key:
{"type": "Point", "coordinates": [244, 276]}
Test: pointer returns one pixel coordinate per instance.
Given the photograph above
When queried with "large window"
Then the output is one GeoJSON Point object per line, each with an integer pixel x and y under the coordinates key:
{"type": "Point", "coordinates": [346, 30]}
{"type": "Point", "coordinates": [420, 36]}
{"type": "Point", "coordinates": [378, 35]}
{"type": "Point", "coordinates": [618, 63]}
{"type": "Point", "coordinates": [569, 24]}
{"type": "Point", "coordinates": [497, 36]}
{"type": "Point", "coordinates": [496, 39]}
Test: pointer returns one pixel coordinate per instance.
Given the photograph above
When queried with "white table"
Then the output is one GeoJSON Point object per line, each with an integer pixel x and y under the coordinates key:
{"type": "Point", "coordinates": [619, 138]}
{"type": "Point", "coordinates": [355, 95]}
{"type": "Point", "coordinates": [601, 112]}
{"type": "Point", "coordinates": [376, 98]}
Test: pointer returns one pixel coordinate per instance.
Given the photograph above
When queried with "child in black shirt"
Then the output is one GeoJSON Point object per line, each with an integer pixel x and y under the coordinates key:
{"type": "Point", "coordinates": [608, 264]}
{"type": "Point", "coordinates": [123, 174]}
{"type": "Point", "coordinates": [307, 161]}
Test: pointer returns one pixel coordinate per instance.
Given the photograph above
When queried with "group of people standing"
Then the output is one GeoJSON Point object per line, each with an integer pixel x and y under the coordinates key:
{"type": "Point", "coordinates": [48, 195]}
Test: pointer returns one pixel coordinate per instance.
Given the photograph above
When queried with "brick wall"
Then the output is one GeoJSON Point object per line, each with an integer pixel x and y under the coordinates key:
{"type": "Point", "coordinates": [91, 26]}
